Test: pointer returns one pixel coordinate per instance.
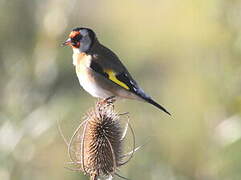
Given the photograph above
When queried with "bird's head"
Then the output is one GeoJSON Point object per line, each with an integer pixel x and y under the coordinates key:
{"type": "Point", "coordinates": [80, 39]}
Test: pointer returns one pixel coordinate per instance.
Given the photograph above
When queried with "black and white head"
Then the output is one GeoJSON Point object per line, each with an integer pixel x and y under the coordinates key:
{"type": "Point", "coordinates": [80, 39]}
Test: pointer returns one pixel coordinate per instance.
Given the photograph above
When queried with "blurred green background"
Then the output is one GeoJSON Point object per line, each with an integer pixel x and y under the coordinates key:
{"type": "Point", "coordinates": [186, 54]}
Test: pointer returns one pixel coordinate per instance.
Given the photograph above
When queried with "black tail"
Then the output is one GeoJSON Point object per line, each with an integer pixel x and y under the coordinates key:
{"type": "Point", "coordinates": [149, 100]}
{"type": "Point", "coordinates": [139, 92]}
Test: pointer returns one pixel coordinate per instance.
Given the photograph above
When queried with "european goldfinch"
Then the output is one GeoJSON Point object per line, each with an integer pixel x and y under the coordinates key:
{"type": "Point", "coordinates": [99, 70]}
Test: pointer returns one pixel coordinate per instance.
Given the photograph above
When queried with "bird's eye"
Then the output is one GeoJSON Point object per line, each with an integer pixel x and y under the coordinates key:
{"type": "Point", "coordinates": [76, 38]}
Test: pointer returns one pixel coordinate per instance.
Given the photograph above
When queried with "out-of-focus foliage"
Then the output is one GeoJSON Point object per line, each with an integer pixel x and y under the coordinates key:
{"type": "Point", "coordinates": [185, 53]}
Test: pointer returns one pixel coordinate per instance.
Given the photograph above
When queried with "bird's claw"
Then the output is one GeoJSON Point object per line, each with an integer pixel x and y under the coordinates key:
{"type": "Point", "coordinates": [108, 101]}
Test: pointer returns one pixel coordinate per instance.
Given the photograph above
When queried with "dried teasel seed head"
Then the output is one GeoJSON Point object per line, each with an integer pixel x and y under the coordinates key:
{"type": "Point", "coordinates": [102, 141]}
{"type": "Point", "coordinates": [97, 145]}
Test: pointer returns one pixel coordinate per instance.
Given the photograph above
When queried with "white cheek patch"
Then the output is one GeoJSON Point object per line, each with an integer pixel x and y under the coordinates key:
{"type": "Point", "coordinates": [76, 50]}
{"type": "Point", "coordinates": [85, 43]}
{"type": "Point", "coordinates": [74, 58]}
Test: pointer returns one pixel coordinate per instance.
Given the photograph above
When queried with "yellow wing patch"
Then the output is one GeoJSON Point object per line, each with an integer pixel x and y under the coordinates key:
{"type": "Point", "coordinates": [113, 78]}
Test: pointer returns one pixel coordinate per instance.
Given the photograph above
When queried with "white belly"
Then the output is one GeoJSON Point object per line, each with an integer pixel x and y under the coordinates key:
{"type": "Point", "coordinates": [93, 88]}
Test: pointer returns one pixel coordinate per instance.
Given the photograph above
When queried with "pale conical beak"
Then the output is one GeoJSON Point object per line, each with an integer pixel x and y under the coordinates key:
{"type": "Point", "coordinates": [67, 42]}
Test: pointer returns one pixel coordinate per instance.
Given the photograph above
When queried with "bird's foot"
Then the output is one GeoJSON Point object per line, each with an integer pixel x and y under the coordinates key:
{"type": "Point", "coordinates": [108, 101]}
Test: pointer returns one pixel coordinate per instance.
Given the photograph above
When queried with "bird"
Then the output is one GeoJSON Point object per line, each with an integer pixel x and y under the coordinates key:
{"type": "Point", "coordinates": [99, 70]}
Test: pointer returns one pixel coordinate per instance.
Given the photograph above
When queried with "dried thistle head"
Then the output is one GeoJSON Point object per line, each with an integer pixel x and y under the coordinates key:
{"type": "Point", "coordinates": [96, 147]}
